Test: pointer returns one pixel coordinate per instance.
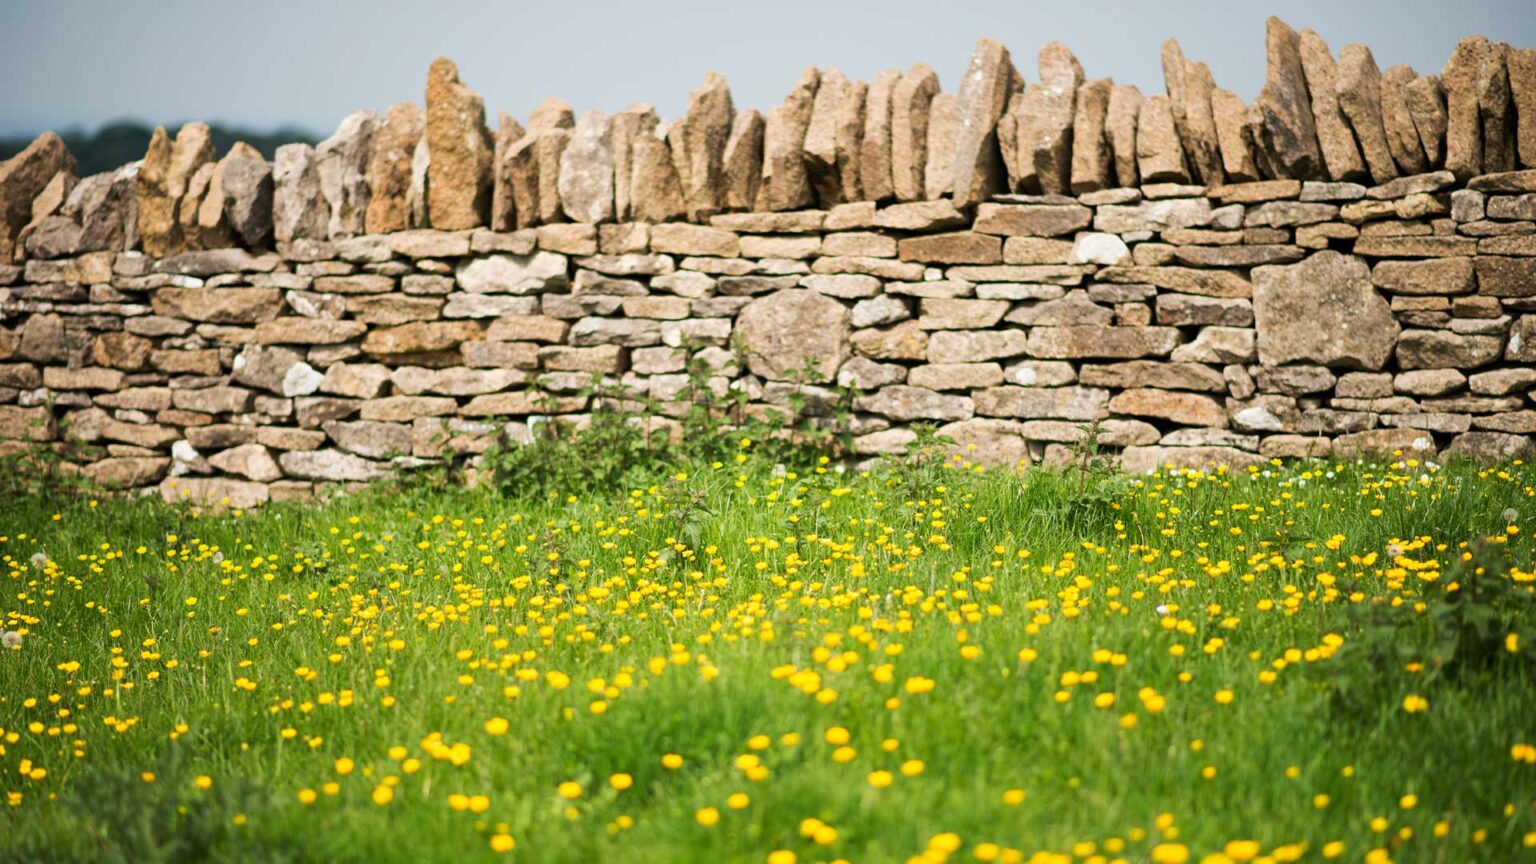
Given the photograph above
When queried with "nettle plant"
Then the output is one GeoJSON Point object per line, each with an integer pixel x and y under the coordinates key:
{"type": "Point", "coordinates": [1472, 627]}
{"type": "Point", "coordinates": [629, 438]}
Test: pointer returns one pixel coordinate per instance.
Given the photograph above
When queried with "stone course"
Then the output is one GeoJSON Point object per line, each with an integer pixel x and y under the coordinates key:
{"type": "Point", "coordinates": [1347, 267]}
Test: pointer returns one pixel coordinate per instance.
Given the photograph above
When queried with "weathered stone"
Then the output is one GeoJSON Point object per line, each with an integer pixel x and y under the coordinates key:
{"type": "Point", "coordinates": [503, 213]}
{"type": "Point", "coordinates": [163, 185]}
{"type": "Point", "coordinates": [905, 341]}
{"type": "Point", "coordinates": [906, 403]}
{"type": "Point", "coordinates": [388, 309]}
{"type": "Point", "coordinates": [1495, 112]}
{"type": "Point", "coordinates": [1092, 149]}
{"type": "Point", "coordinates": [527, 328]}
{"type": "Point", "coordinates": [1426, 105]}
{"type": "Point", "coordinates": [332, 465]}
{"type": "Point", "coordinates": [1522, 340]}
{"type": "Point", "coordinates": [742, 162]}
{"type": "Point", "coordinates": [265, 368]}
{"type": "Point", "coordinates": [460, 148]}
{"type": "Point", "coordinates": [1439, 349]}
{"type": "Point", "coordinates": [960, 247]}
{"type": "Point", "coordinates": [1160, 215]}
{"type": "Point", "coordinates": [1402, 136]}
{"type": "Point", "coordinates": [956, 376]}
{"type": "Point", "coordinates": [218, 305]}
{"type": "Point", "coordinates": [1230, 117]}
{"type": "Point", "coordinates": [1521, 65]}
{"type": "Point", "coordinates": [1185, 408]}
{"type": "Point", "coordinates": [487, 305]}
{"type": "Point", "coordinates": [1236, 256]}
{"type": "Point", "coordinates": [911, 103]}
{"type": "Point", "coordinates": [299, 211]}
{"type": "Point", "coordinates": [389, 168]}
{"type": "Point", "coordinates": [875, 175]}
{"type": "Point", "coordinates": [1360, 101]}
{"type": "Point", "coordinates": [585, 183]}
{"type": "Point", "coordinates": [1151, 373]}
{"type": "Point", "coordinates": [421, 243]}
{"type": "Point", "coordinates": [102, 204]}
{"type": "Point", "coordinates": [1084, 341]}
{"type": "Point", "coordinates": [785, 185]}
{"type": "Point", "coordinates": [1415, 246]}
{"type": "Point", "coordinates": [1501, 276]}
{"type": "Point", "coordinates": [1185, 280]}
{"type": "Point", "coordinates": [1218, 345]}
{"type": "Point", "coordinates": [1322, 310]}
{"type": "Point", "coordinates": [341, 161]}
{"type": "Point", "coordinates": [121, 350]}
{"type": "Point", "coordinates": [988, 442]}
{"type": "Point", "coordinates": [401, 409]}
{"type": "Point", "coordinates": [1284, 108]}
{"type": "Point", "coordinates": [215, 491]}
{"type": "Point", "coordinates": [1159, 155]}
{"type": "Point", "coordinates": [624, 128]}
{"type": "Point", "coordinates": [251, 461]}
{"type": "Point", "coordinates": [684, 239]}
{"type": "Point", "coordinates": [943, 128]}
{"type": "Point", "coordinates": [1120, 129]}
{"type": "Point", "coordinates": [1043, 118]}
{"type": "Point", "coordinates": [213, 400]}
{"type": "Point", "coordinates": [370, 438]}
{"type": "Point", "coordinates": [833, 139]}
{"type": "Point", "coordinates": [238, 206]}
{"type": "Point", "coordinates": [1488, 447]}
{"type": "Point", "coordinates": [1341, 155]}
{"type": "Point", "coordinates": [513, 274]}
{"type": "Point", "coordinates": [1146, 460]}
{"type": "Point", "coordinates": [793, 330]}
{"type": "Point", "coordinates": [1190, 88]}
{"type": "Point", "coordinates": [357, 380]}
{"type": "Point", "coordinates": [1429, 382]}
{"type": "Point", "coordinates": [1430, 276]}
{"type": "Point", "coordinates": [81, 378]}
{"type": "Point", "coordinates": [22, 178]}
{"type": "Point", "coordinates": [984, 90]}
{"type": "Point", "coordinates": [655, 190]}
{"type": "Point", "coordinates": [1464, 139]}
{"type": "Point", "coordinates": [420, 337]}
{"type": "Point", "coordinates": [1031, 220]}
{"type": "Point", "coordinates": [1185, 310]}
{"type": "Point", "coordinates": [360, 283]}
{"type": "Point", "coordinates": [215, 261]}
{"type": "Point", "coordinates": [1064, 403]}
{"type": "Point", "coordinates": [705, 131]}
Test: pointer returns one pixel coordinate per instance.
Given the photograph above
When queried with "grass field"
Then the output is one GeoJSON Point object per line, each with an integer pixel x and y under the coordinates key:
{"type": "Point", "coordinates": [1311, 662]}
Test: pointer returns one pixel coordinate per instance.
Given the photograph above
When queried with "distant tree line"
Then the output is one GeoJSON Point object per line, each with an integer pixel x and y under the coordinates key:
{"type": "Point", "coordinates": [124, 141]}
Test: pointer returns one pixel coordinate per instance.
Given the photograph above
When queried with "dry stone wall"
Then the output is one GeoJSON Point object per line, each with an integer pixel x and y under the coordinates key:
{"type": "Point", "coordinates": [1348, 266]}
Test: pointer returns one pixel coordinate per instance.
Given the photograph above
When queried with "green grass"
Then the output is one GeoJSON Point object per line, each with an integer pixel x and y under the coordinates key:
{"type": "Point", "coordinates": [730, 603]}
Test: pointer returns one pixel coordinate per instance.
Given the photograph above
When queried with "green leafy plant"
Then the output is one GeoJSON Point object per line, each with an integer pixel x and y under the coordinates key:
{"type": "Point", "coordinates": [626, 440]}
{"type": "Point", "coordinates": [1472, 625]}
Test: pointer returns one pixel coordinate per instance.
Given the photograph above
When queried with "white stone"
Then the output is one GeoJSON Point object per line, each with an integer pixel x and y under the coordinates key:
{"type": "Point", "coordinates": [513, 274]}
{"type": "Point", "coordinates": [1099, 248]}
{"type": "Point", "coordinates": [301, 379]}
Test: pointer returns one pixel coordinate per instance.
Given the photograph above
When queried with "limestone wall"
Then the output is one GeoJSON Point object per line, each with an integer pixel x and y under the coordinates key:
{"type": "Point", "coordinates": [1347, 266]}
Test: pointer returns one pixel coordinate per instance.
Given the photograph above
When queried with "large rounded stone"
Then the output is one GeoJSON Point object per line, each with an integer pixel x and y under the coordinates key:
{"type": "Point", "coordinates": [1322, 310]}
{"type": "Point", "coordinates": [784, 331]}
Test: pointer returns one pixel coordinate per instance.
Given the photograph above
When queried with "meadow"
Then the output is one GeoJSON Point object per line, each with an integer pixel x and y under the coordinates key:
{"type": "Point", "coordinates": [737, 662]}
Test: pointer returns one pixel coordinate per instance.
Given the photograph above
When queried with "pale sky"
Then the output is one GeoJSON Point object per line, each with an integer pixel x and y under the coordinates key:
{"type": "Point", "coordinates": [309, 63]}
